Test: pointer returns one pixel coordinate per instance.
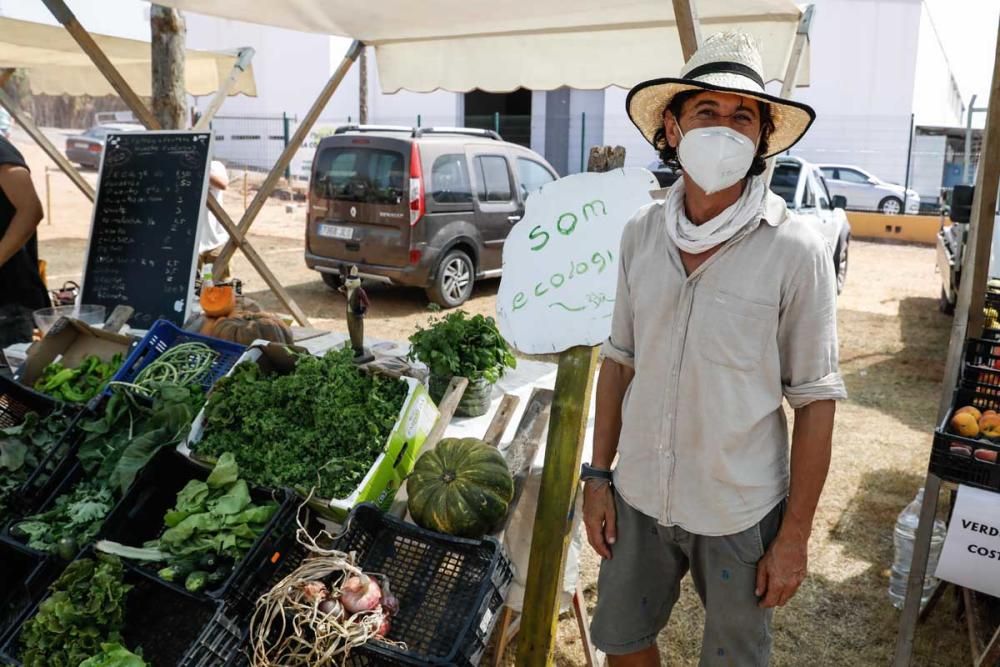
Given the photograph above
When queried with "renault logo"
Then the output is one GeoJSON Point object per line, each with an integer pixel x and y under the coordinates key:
{"type": "Point", "coordinates": [354, 212]}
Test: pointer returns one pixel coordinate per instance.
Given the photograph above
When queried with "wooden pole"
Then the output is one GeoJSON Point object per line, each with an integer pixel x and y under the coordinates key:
{"type": "Point", "coordinates": [28, 125]}
{"type": "Point", "coordinates": [968, 318]}
{"type": "Point", "coordinates": [142, 112]}
{"type": "Point", "coordinates": [267, 187]}
{"type": "Point", "coordinates": [560, 481]}
{"type": "Point", "coordinates": [243, 58]}
{"type": "Point", "coordinates": [48, 195]}
{"type": "Point", "coordinates": [363, 87]}
{"type": "Point", "coordinates": [792, 68]}
{"type": "Point", "coordinates": [688, 27]}
{"type": "Point", "coordinates": [167, 35]}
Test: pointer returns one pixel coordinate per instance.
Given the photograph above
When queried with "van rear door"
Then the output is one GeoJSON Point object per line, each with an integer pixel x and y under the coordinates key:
{"type": "Point", "coordinates": [359, 201]}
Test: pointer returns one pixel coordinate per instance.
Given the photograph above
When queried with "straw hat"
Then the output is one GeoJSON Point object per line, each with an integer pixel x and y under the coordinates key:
{"type": "Point", "coordinates": [727, 62]}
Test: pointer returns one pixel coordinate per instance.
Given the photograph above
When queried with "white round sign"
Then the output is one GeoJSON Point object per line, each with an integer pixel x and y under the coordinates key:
{"type": "Point", "coordinates": [560, 262]}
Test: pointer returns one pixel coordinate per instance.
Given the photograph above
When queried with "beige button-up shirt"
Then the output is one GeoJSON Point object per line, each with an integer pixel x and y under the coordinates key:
{"type": "Point", "coordinates": [704, 440]}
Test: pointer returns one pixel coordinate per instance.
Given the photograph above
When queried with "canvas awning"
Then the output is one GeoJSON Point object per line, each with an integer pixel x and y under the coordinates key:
{"type": "Point", "coordinates": [459, 45]}
{"type": "Point", "coordinates": [57, 66]}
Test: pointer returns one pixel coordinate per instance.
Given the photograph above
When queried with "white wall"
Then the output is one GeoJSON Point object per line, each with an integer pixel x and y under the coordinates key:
{"type": "Point", "coordinates": [936, 97]}
{"type": "Point", "coordinates": [619, 130]}
{"type": "Point", "coordinates": [928, 165]}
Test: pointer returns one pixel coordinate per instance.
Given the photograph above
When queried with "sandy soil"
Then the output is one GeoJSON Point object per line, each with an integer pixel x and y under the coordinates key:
{"type": "Point", "coordinates": [893, 345]}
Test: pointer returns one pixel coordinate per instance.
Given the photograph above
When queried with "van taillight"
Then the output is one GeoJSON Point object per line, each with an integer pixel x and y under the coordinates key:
{"type": "Point", "coordinates": [417, 208]}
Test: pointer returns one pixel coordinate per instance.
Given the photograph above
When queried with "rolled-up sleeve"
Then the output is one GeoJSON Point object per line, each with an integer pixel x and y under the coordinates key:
{"type": "Point", "coordinates": [620, 345]}
{"type": "Point", "coordinates": [807, 333]}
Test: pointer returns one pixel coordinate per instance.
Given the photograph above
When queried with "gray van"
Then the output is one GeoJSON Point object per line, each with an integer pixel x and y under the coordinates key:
{"type": "Point", "coordinates": [422, 207]}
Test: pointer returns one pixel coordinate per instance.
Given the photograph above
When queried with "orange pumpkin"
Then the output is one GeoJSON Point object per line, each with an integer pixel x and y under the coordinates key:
{"type": "Point", "coordinates": [244, 328]}
{"type": "Point", "coordinates": [218, 300]}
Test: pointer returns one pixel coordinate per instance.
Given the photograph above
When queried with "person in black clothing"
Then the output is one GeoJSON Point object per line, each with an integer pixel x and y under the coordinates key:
{"type": "Point", "coordinates": [21, 287]}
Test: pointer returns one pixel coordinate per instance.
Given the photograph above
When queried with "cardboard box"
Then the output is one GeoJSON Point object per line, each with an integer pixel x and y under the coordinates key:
{"type": "Point", "coordinates": [379, 486]}
{"type": "Point", "coordinates": [72, 340]}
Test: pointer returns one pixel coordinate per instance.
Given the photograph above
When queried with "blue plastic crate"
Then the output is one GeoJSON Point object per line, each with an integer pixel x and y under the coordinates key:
{"type": "Point", "coordinates": [164, 335]}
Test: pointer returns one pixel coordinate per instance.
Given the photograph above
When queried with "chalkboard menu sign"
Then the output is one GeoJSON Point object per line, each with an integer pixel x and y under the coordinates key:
{"type": "Point", "coordinates": [143, 248]}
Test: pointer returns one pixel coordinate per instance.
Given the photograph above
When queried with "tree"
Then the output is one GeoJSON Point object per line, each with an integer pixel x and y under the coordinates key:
{"type": "Point", "coordinates": [168, 34]}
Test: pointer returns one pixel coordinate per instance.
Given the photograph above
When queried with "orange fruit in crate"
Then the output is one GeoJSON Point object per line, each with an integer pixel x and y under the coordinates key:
{"type": "Point", "coordinates": [974, 411]}
{"type": "Point", "coordinates": [965, 424]}
{"type": "Point", "coordinates": [988, 412]}
{"type": "Point", "coordinates": [989, 426]}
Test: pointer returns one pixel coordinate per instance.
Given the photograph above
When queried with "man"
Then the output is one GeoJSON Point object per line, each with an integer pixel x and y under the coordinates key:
{"type": "Point", "coordinates": [21, 287]}
{"type": "Point", "coordinates": [724, 307]}
{"type": "Point", "coordinates": [214, 235]}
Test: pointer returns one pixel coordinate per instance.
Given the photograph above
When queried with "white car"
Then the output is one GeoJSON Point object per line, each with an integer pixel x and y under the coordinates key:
{"type": "Point", "coordinates": [803, 188]}
{"type": "Point", "coordinates": [866, 192]}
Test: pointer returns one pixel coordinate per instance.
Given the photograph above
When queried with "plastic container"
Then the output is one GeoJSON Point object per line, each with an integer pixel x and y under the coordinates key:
{"type": "Point", "coordinates": [24, 578]}
{"type": "Point", "coordinates": [903, 538]}
{"type": "Point", "coordinates": [138, 518]}
{"type": "Point", "coordinates": [172, 628]}
{"type": "Point", "coordinates": [475, 401]}
{"type": "Point", "coordinates": [450, 589]}
{"type": "Point", "coordinates": [90, 314]}
{"type": "Point", "coordinates": [386, 474]}
{"type": "Point", "coordinates": [953, 456]}
{"type": "Point", "coordinates": [16, 401]}
{"type": "Point", "coordinates": [164, 335]}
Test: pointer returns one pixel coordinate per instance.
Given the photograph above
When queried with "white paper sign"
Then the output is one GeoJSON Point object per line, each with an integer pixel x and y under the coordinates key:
{"type": "Point", "coordinates": [560, 262]}
{"type": "Point", "coordinates": [971, 553]}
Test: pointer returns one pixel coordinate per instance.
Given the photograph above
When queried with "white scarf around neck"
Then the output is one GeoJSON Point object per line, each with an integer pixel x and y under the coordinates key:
{"type": "Point", "coordinates": [696, 239]}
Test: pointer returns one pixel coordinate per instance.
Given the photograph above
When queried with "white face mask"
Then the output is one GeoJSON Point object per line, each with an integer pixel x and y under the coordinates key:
{"type": "Point", "coordinates": [715, 157]}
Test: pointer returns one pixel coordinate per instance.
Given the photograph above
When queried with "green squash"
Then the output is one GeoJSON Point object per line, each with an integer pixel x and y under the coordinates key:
{"type": "Point", "coordinates": [461, 487]}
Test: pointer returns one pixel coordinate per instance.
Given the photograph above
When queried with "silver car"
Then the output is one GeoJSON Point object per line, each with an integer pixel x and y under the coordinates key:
{"type": "Point", "coordinates": [866, 192]}
{"type": "Point", "coordinates": [86, 149]}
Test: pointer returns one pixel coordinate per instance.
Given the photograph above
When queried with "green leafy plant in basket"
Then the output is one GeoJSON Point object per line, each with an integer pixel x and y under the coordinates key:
{"type": "Point", "coordinates": [460, 345]}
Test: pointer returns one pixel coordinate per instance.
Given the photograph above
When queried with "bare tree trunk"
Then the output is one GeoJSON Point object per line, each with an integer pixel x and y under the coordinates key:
{"type": "Point", "coordinates": [168, 36]}
{"type": "Point", "coordinates": [363, 86]}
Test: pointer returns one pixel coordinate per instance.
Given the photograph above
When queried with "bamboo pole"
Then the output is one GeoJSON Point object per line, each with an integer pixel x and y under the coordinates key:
{"type": "Point", "coordinates": [243, 58]}
{"type": "Point", "coordinates": [688, 27]}
{"type": "Point", "coordinates": [560, 481]}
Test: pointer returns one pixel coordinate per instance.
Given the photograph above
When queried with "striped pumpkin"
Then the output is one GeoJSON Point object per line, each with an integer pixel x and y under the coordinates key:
{"type": "Point", "coordinates": [461, 487]}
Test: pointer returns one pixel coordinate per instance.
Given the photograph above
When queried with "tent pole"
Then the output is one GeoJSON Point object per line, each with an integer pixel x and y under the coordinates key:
{"type": "Point", "coordinates": [301, 132]}
{"type": "Point", "coordinates": [792, 69]}
{"type": "Point", "coordinates": [35, 133]}
{"type": "Point", "coordinates": [135, 103]}
{"type": "Point", "coordinates": [688, 27]}
{"type": "Point", "coordinates": [243, 58]}
{"type": "Point", "coordinates": [968, 318]}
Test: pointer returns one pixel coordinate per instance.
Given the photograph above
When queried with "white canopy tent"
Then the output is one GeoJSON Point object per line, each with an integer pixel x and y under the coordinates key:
{"type": "Point", "coordinates": [56, 66]}
{"type": "Point", "coordinates": [460, 45]}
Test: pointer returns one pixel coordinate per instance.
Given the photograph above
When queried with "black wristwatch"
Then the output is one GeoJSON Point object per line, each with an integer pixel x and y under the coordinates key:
{"type": "Point", "coordinates": [588, 471]}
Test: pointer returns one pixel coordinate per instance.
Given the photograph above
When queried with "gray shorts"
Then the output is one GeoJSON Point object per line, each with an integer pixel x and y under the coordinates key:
{"type": "Point", "coordinates": [638, 587]}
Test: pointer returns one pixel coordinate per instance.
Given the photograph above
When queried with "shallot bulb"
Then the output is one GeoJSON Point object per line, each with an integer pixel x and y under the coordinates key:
{"type": "Point", "coordinates": [383, 629]}
{"type": "Point", "coordinates": [314, 591]}
{"type": "Point", "coordinates": [360, 593]}
{"type": "Point", "coordinates": [332, 607]}
{"type": "Point", "coordinates": [390, 604]}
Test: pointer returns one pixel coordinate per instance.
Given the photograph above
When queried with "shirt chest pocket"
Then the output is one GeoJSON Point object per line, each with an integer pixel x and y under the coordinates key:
{"type": "Point", "coordinates": [733, 331]}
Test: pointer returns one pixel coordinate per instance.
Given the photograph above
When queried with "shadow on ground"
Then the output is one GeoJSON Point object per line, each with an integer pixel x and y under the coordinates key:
{"type": "Point", "coordinates": [904, 382]}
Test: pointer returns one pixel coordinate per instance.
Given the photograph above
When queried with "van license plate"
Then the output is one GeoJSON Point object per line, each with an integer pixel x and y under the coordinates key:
{"type": "Point", "coordinates": [336, 231]}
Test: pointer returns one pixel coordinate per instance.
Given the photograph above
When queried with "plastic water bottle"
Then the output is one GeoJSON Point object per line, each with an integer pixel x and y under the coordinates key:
{"type": "Point", "coordinates": [903, 539]}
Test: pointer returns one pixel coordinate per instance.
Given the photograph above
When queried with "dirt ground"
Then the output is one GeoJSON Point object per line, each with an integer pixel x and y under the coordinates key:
{"type": "Point", "coordinates": [892, 344]}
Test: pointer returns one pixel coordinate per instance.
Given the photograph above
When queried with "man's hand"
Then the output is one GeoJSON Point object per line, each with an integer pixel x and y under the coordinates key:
{"type": "Point", "coordinates": [782, 569]}
{"type": "Point", "coordinates": [599, 516]}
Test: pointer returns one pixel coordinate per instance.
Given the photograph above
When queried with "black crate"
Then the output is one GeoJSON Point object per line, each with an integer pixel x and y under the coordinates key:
{"type": "Point", "coordinates": [981, 364]}
{"type": "Point", "coordinates": [171, 628]}
{"type": "Point", "coordinates": [16, 401]}
{"type": "Point", "coordinates": [957, 467]}
{"type": "Point", "coordinates": [450, 589]}
{"type": "Point", "coordinates": [24, 577]}
{"type": "Point", "coordinates": [138, 518]}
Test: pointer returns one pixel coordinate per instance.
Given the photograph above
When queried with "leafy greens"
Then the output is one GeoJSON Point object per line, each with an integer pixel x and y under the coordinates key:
{"type": "Point", "coordinates": [322, 425]}
{"type": "Point", "coordinates": [25, 446]}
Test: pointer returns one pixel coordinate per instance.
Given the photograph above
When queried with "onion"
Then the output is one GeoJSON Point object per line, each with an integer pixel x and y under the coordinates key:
{"type": "Point", "coordinates": [360, 593]}
{"type": "Point", "coordinates": [314, 591]}
{"type": "Point", "coordinates": [334, 607]}
{"type": "Point", "coordinates": [383, 629]}
{"type": "Point", "coordinates": [390, 604]}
